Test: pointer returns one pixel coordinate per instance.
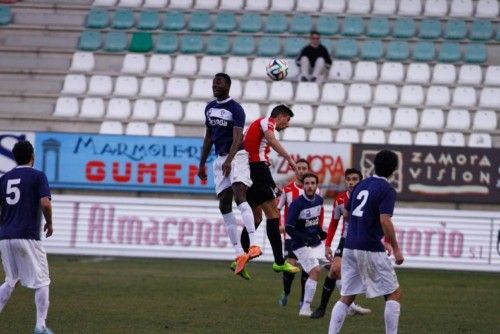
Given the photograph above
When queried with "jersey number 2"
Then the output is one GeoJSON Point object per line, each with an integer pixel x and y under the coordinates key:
{"type": "Point", "coordinates": [363, 196]}
{"type": "Point", "coordinates": [13, 189]}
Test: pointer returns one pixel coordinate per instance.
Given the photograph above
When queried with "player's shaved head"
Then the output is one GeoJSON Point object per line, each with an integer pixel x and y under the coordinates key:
{"type": "Point", "coordinates": [385, 163]}
{"type": "Point", "coordinates": [23, 152]}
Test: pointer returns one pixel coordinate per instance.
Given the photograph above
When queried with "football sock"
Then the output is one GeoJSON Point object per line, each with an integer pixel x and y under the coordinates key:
{"type": "Point", "coordinates": [328, 287]}
{"type": "Point", "coordinates": [339, 313]}
{"type": "Point", "coordinates": [287, 282]}
{"type": "Point", "coordinates": [232, 231]}
{"type": "Point", "coordinates": [303, 279]}
{"type": "Point", "coordinates": [310, 289]}
{"type": "Point", "coordinates": [273, 234]}
{"type": "Point", "coordinates": [338, 284]}
{"type": "Point", "coordinates": [391, 316]}
{"type": "Point", "coordinates": [42, 305]}
{"type": "Point", "coordinates": [248, 221]}
{"type": "Point", "coordinates": [5, 292]}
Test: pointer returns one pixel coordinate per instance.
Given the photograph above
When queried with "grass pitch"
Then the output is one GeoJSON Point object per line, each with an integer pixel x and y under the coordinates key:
{"type": "Point", "coordinates": [118, 295]}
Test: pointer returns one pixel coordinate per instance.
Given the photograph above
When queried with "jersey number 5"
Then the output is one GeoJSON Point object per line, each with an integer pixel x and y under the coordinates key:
{"type": "Point", "coordinates": [363, 196]}
{"type": "Point", "coordinates": [12, 189]}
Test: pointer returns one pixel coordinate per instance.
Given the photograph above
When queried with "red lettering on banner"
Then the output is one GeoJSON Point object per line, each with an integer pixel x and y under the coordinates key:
{"type": "Point", "coordinates": [203, 233]}
{"type": "Point", "coordinates": [94, 171]}
{"type": "Point", "coordinates": [144, 169]}
{"type": "Point", "coordinates": [164, 236]}
{"type": "Point", "coordinates": [220, 234]}
{"type": "Point", "coordinates": [151, 233]}
{"type": "Point", "coordinates": [170, 174]}
{"type": "Point", "coordinates": [193, 176]}
{"type": "Point", "coordinates": [116, 172]}
{"type": "Point", "coordinates": [185, 230]}
{"type": "Point", "coordinates": [129, 230]}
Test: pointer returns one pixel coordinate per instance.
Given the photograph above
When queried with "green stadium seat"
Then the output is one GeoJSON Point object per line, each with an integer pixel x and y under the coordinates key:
{"type": "Point", "coordinates": [481, 30]}
{"type": "Point", "coordinates": [191, 44]}
{"type": "Point", "coordinates": [149, 20]}
{"type": "Point", "coordinates": [250, 22]}
{"type": "Point", "coordinates": [200, 21]}
{"type": "Point", "coordinates": [372, 50]}
{"type": "Point", "coordinates": [293, 46]}
{"type": "Point", "coordinates": [455, 29]}
{"type": "Point", "coordinates": [346, 49]}
{"type": "Point", "coordinates": [276, 23]}
{"type": "Point", "coordinates": [166, 43]}
{"type": "Point", "coordinates": [243, 45]}
{"type": "Point", "coordinates": [123, 19]}
{"type": "Point", "coordinates": [424, 51]}
{"type": "Point", "coordinates": [90, 40]}
{"type": "Point", "coordinates": [115, 41]}
{"type": "Point", "coordinates": [449, 52]}
{"type": "Point", "coordinates": [225, 22]}
{"type": "Point", "coordinates": [327, 25]}
{"type": "Point", "coordinates": [269, 46]}
{"type": "Point", "coordinates": [301, 24]}
{"type": "Point", "coordinates": [353, 26]}
{"type": "Point", "coordinates": [173, 20]}
{"type": "Point", "coordinates": [217, 44]}
{"type": "Point", "coordinates": [328, 44]}
{"type": "Point", "coordinates": [475, 53]}
{"type": "Point", "coordinates": [97, 18]}
{"type": "Point", "coordinates": [404, 28]}
{"type": "Point", "coordinates": [5, 15]}
{"type": "Point", "coordinates": [430, 29]}
{"type": "Point", "coordinates": [141, 42]}
{"type": "Point", "coordinates": [498, 32]}
{"type": "Point", "coordinates": [398, 51]}
{"type": "Point", "coordinates": [378, 27]}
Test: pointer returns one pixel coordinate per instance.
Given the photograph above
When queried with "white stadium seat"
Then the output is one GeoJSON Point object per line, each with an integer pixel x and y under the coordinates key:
{"type": "Point", "coordinates": [155, 3]}
{"type": "Point", "coordinates": [126, 86]}
{"type": "Point", "coordinates": [487, 8]}
{"type": "Point", "coordinates": [202, 89]}
{"type": "Point", "coordinates": [210, 65]}
{"type": "Point", "coordinates": [405, 118]}
{"type": "Point", "coordinates": [379, 117]}
{"type": "Point", "coordinates": [293, 69]}
{"type": "Point", "coordinates": [195, 112]}
{"type": "Point", "coordinates": [426, 138]}
{"type": "Point", "coordinates": [178, 88]}
{"type": "Point", "coordinates": [170, 110]}
{"type": "Point", "coordinates": [485, 120]}
{"type": "Point", "coordinates": [111, 128]}
{"type": "Point", "coordinates": [236, 90]}
{"type": "Point", "coordinates": [118, 108]}
{"type": "Point", "coordinates": [255, 90]}
{"type": "Point", "coordinates": [418, 73]}
{"type": "Point", "coordinates": [137, 129]}
{"type": "Point", "coordinates": [347, 136]}
{"type": "Point", "coordinates": [366, 71]}
{"type": "Point", "coordinates": [130, 3]}
{"type": "Point", "coordinates": [281, 91]}
{"type": "Point", "coordinates": [104, 2]}
{"type": "Point", "coordinates": [206, 4]}
{"type": "Point", "coordinates": [333, 6]}
{"type": "Point", "coordinates": [455, 139]}
{"type": "Point", "coordinates": [412, 95]}
{"type": "Point", "coordinates": [231, 4]}
{"type": "Point", "coordinates": [326, 115]}
{"type": "Point", "coordinates": [410, 7]}
{"type": "Point", "coordinates": [458, 119]}
{"type": "Point", "coordinates": [307, 6]}
{"type": "Point", "coordinates": [185, 65]}
{"type": "Point", "coordinates": [386, 94]}
{"type": "Point", "coordinates": [163, 130]}
{"type": "Point", "coordinates": [444, 74]}
{"type": "Point", "coordinates": [470, 75]}
{"type": "Point", "coordinates": [490, 98]}
{"type": "Point", "coordinates": [307, 92]}
{"type": "Point", "coordinates": [340, 70]}
{"type": "Point", "coordinates": [237, 67]}
{"type": "Point", "coordinates": [252, 112]}
{"type": "Point", "coordinates": [270, 108]}
{"type": "Point", "coordinates": [353, 116]}
{"type": "Point", "coordinates": [82, 62]}
{"type": "Point", "coordinates": [259, 68]}
{"type": "Point", "coordinates": [384, 7]}
{"type": "Point", "coordinates": [461, 8]}
{"type": "Point", "coordinates": [359, 93]}
{"type": "Point", "coordinates": [436, 8]}
{"type": "Point", "coordinates": [66, 107]}
{"type": "Point", "coordinates": [180, 4]}
{"type": "Point", "coordinates": [464, 97]}
{"type": "Point", "coordinates": [92, 107]}
{"type": "Point", "coordinates": [303, 114]}
{"type": "Point", "coordinates": [438, 96]}
{"type": "Point", "coordinates": [482, 140]}
{"type": "Point", "coordinates": [492, 76]}
{"type": "Point", "coordinates": [397, 137]}
{"type": "Point", "coordinates": [321, 135]}
{"type": "Point", "coordinates": [257, 5]}
{"type": "Point", "coordinates": [358, 6]}
{"type": "Point", "coordinates": [159, 64]}
{"type": "Point", "coordinates": [432, 118]}
{"type": "Point", "coordinates": [144, 109]}
{"type": "Point", "coordinates": [100, 85]}
{"type": "Point", "coordinates": [134, 63]}
{"type": "Point", "coordinates": [294, 133]}
{"type": "Point", "coordinates": [333, 93]}
{"type": "Point", "coordinates": [373, 137]}
{"type": "Point", "coordinates": [152, 87]}
{"type": "Point", "coordinates": [282, 5]}
{"type": "Point", "coordinates": [391, 72]}
{"type": "Point", "coordinates": [74, 84]}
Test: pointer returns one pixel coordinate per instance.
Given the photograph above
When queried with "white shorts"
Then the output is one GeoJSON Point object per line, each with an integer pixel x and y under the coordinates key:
{"type": "Point", "coordinates": [25, 260]}
{"type": "Point", "coordinates": [240, 171]}
{"type": "Point", "coordinates": [310, 257]}
{"type": "Point", "coordinates": [367, 272]}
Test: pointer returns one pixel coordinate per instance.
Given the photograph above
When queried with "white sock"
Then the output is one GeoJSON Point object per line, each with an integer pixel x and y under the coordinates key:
{"type": "Point", "coordinates": [339, 313]}
{"type": "Point", "coordinates": [5, 292]}
{"type": "Point", "coordinates": [309, 290]}
{"type": "Point", "coordinates": [248, 220]}
{"type": "Point", "coordinates": [232, 232]}
{"type": "Point", "coordinates": [42, 305]}
{"type": "Point", "coordinates": [391, 316]}
{"type": "Point", "coordinates": [338, 284]}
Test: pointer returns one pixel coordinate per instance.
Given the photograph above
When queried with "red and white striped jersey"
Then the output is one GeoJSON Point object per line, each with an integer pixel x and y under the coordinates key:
{"type": "Point", "coordinates": [339, 206]}
{"type": "Point", "coordinates": [255, 142]}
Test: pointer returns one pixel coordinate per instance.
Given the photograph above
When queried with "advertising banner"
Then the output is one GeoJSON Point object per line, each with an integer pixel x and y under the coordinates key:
{"type": "Point", "coordinates": [7, 142]}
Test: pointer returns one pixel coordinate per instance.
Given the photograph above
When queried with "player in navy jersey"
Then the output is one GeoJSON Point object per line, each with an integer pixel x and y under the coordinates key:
{"type": "Point", "coordinates": [304, 224]}
{"type": "Point", "coordinates": [366, 268]}
{"type": "Point", "coordinates": [224, 122]}
{"type": "Point", "coordinates": [23, 192]}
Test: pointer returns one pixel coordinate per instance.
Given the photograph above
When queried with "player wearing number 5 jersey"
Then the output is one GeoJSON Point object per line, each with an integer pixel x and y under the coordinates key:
{"type": "Point", "coordinates": [23, 192]}
{"type": "Point", "coordinates": [365, 266]}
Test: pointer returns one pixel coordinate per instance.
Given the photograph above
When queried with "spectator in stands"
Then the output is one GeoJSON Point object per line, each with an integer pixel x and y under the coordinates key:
{"type": "Point", "coordinates": [313, 59]}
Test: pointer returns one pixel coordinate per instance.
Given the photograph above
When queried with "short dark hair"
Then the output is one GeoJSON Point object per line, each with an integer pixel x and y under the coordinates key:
{"type": "Point", "coordinates": [353, 171]}
{"type": "Point", "coordinates": [302, 160]}
{"type": "Point", "coordinates": [385, 163]}
{"type": "Point", "coordinates": [225, 77]}
{"type": "Point", "coordinates": [281, 109]}
{"type": "Point", "coordinates": [306, 175]}
{"type": "Point", "coordinates": [23, 152]}
{"type": "Point", "coordinates": [314, 32]}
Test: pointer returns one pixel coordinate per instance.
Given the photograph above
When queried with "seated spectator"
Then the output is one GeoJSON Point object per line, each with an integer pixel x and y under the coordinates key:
{"type": "Point", "coordinates": [313, 59]}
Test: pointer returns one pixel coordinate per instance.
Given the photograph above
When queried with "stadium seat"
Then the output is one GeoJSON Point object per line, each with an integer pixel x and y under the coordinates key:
{"type": "Point", "coordinates": [166, 43]}
{"type": "Point", "coordinates": [378, 27]}
{"type": "Point", "coordinates": [149, 20]}
{"type": "Point", "coordinates": [237, 67]}
{"type": "Point", "coordinates": [126, 86]}
{"type": "Point", "coordinates": [269, 46]}
{"type": "Point", "coordinates": [210, 65]}
{"type": "Point", "coordinates": [191, 44]}
{"type": "Point", "coordinates": [82, 62]}
{"type": "Point", "coordinates": [303, 114]}
{"type": "Point", "coordinates": [159, 64]}
{"type": "Point", "coordinates": [250, 22]}
{"type": "Point", "coordinates": [294, 133]}
{"type": "Point", "coordinates": [173, 20]}
{"type": "Point", "coordinates": [74, 84]}
{"type": "Point", "coordinates": [471, 75]}
{"type": "Point", "coordinates": [180, 4]}
{"type": "Point", "coordinates": [492, 76]}
{"type": "Point", "coordinates": [404, 28]}
{"type": "Point", "coordinates": [379, 117]}
{"type": "Point", "coordinates": [321, 135]}
{"type": "Point", "coordinates": [255, 90]}
{"type": "Point", "coordinates": [426, 138]}
{"type": "Point", "coordinates": [141, 42]}
{"type": "Point", "coordinates": [111, 128]}
{"type": "Point", "coordinates": [90, 40]}
{"type": "Point", "coordinates": [455, 29]}
{"type": "Point", "coordinates": [482, 140]}
{"type": "Point", "coordinates": [406, 118]}
{"type": "Point", "coordinates": [100, 85]}
{"type": "Point", "coordinates": [252, 111]}
{"type": "Point", "coordinates": [307, 92]}
{"type": "Point", "coordinates": [243, 45]}
{"type": "Point", "coordinates": [97, 18]}
{"type": "Point", "coordinates": [358, 6]}
{"type": "Point", "coordinates": [123, 19]}
{"type": "Point", "coordinates": [485, 120]}
{"type": "Point", "coordinates": [282, 5]}
{"type": "Point", "coordinates": [178, 88]}
{"type": "Point", "coordinates": [464, 97]}
{"type": "Point", "coordinates": [133, 63]}
{"type": "Point", "coordinates": [326, 115]}
{"type": "Point", "coordinates": [281, 91]}
{"type": "Point", "coordinates": [353, 116]}
{"type": "Point", "coordinates": [449, 52]}
{"type": "Point", "coordinates": [432, 118]}
{"type": "Point", "coordinates": [155, 4]}
{"type": "Point", "coordinates": [444, 74]}
{"type": "Point", "coordinates": [276, 23]}
{"type": "Point", "coordinates": [185, 65]}
{"type": "Point", "coordinates": [475, 53]}
{"type": "Point", "coordinates": [481, 30]}
{"type": "Point", "coordinates": [346, 49]}
{"type": "Point", "coordinates": [200, 21]}
{"type": "Point", "coordinates": [333, 6]}
{"type": "Point", "coordinates": [372, 50]}
{"type": "Point", "coordinates": [418, 73]}
{"type": "Point", "coordinates": [438, 96]}
{"type": "Point", "coordinates": [225, 22]}
{"type": "Point", "coordinates": [308, 6]}
{"type": "Point", "coordinates": [236, 89]}
{"type": "Point", "coordinates": [436, 8]}
{"type": "Point", "coordinates": [373, 137]}
{"type": "Point", "coordinates": [118, 108]}
{"type": "Point", "coordinates": [384, 7]}
{"type": "Point", "coordinates": [430, 29]}
{"type": "Point", "coordinates": [385, 94]}
{"type": "Point", "coordinates": [410, 7]}
{"type": "Point", "coordinates": [340, 70]}
{"type": "Point", "coordinates": [365, 71]}
{"type": "Point", "coordinates": [129, 3]}
{"type": "Point", "coordinates": [195, 112]}
{"type": "Point", "coordinates": [391, 72]}
{"type": "Point", "coordinates": [359, 93]}
{"type": "Point", "coordinates": [327, 25]}
{"type": "Point", "coordinates": [231, 4]}
{"type": "Point", "coordinates": [490, 98]}
{"type": "Point", "coordinates": [454, 139]}
{"type": "Point", "coordinates": [424, 51]}
{"type": "Point", "coordinates": [163, 130]}
{"type": "Point", "coordinates": [104, 3]}
{"type": "Point", "coordinates": [301, 24]}
{"type": "Point", "coordinates": [333, 93]}
{"type": "Point", "coordinates": [487, 8]}
{"type": "Point", "coordinates": [144, 109]}
{"type": "Point", "coordinates": [152, 87]}
{"type": "Point", "coordinates": [206, 4]}
{"type": "Point", "coordinates": [137, 129]}
{"type": "Point", "coordinates": [353, 26]}
{"type": "Point", "coordinates": [397, 51]}
{"type": "Point", "coordinates": [115, 41]}
{"type": "Point", "coordinates": [347, 136]}
{"type": "Point", "coordinates": [5, 15]}
{"type": "Point", "coordinates": [66, 107]}
{"type": "Point", "coordinates": [257, 5]}
{"type": "Point", "coordinates": [293, 46]}
{"type": "Point", "coordinates": [398, 137]}
{"type": "Point", "coordinates": [461, 8]}
{"type": "Point", "coordinates": [170, 110]}
{"type": "Point", "coordinates": [217, 45]}
{"type": "Point", "coordinates": [458, 119]}
{"type": "Point", "coordinates": [498, 33]}
{"type": "Point", "coordinates": [92, 107]}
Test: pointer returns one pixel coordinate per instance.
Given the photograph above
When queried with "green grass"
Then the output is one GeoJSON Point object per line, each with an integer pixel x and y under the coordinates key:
{"type": "Point", "coordinates": [180, 296]}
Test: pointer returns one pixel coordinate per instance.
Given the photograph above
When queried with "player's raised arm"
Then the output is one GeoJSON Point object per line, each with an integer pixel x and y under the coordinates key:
{"type": "Point", "coordinates": [205, 151]}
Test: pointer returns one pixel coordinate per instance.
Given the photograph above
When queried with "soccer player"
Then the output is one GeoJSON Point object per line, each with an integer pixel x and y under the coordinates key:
{"type": "Point", "coordinates": [352, 177]}
{"type": "Point", "coordinates": [365, 266]}
{"type": "Point", "coordinates": [304, 224]}
{"type": "Point", "coordinates": [224, 123]}
{"type": "Point", "coordinates": [257, 141]}
{"type": "Point", "coordinates": [23, 192]}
